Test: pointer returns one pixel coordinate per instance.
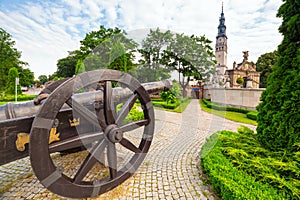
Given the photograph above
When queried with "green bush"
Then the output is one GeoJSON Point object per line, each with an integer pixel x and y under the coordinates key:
{"type": "Point", "coordinates": [238, 167]}
{"type": "Point", "coordinates": [134, 115]}
{"type": "Point", "coordinates": [252, 115]}
{"type": "Point", "coordinates": [171, 95]}
{"type": "Point", "coordinates": [240, 80]}
{"type": "Point", "coordinates": [168, 97]}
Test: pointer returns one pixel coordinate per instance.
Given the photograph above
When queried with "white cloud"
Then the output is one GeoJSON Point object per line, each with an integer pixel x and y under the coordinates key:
{"type": "Point", "coordinates": [46, 30]}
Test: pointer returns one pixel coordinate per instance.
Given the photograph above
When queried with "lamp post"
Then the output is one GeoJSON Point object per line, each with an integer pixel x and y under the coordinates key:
{"type": "Point", "coordinates": [16, 89]}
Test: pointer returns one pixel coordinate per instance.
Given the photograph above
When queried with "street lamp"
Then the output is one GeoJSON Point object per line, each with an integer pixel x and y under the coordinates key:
{"type": "Point", "coordinates": [16, 89]}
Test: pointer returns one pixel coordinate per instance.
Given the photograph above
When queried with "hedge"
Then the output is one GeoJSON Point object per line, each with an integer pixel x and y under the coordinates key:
{"type": "Point", "coordinates": [11, 98]}
{"type": "Point", "coordinates": [238, 167]}
{"type": "Point", "coordinates": [216, 106]}
{"type": "Point", "coordinates": [161, 103]}
{"type": "Point", "coordinates": [250, 114]}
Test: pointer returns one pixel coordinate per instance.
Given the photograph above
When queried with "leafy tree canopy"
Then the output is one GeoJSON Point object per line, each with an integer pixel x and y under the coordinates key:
{"type": "Point", "coordinates": [190, 56]}
{"type": "Point", "coordinates": [9, 58]}
{"type": "Point", "coordinates": [66, 66]}
{"type": "Point", "coordinates": [104, 48]}
{"type": "Point", "coordinates": [264, 65]}
{"type": "Point", "coordinates": [150, 66]}
{"type": "Point", "coordinates": [11, 81]}
{"type": "Point", "coordinates": [43, 79]}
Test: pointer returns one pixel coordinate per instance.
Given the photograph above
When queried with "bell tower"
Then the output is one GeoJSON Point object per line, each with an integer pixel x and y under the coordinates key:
{"type": "Point", "coordinates": [221, 45]}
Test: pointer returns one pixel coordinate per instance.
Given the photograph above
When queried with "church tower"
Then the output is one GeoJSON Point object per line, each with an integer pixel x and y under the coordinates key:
{"type": "Point", "coordinates": [221, 46]}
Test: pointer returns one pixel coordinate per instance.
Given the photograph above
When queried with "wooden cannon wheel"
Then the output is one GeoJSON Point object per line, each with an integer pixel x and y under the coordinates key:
{"type": "Point", "coordinates": [106, 139]}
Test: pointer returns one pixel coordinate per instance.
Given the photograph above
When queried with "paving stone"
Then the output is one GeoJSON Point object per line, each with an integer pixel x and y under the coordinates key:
{"type": "Point", "coordinates": [171, 170]}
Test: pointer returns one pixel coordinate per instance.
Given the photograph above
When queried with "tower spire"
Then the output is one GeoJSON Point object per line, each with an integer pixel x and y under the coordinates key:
{"type": "Point", "coordinates": [222, 26]}
{"type": "Point", "coordinates": [222, 6]}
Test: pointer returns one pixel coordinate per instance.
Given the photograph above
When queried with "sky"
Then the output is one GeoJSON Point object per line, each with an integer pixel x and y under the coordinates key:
{"type": "Point", "coordinates": [44, 31]}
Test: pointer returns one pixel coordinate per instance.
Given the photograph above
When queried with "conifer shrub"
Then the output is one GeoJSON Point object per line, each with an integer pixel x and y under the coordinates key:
{"type": "Point", "coordinates": [239, 167]}
{"type": "Point", "coordinates": [279, 118]}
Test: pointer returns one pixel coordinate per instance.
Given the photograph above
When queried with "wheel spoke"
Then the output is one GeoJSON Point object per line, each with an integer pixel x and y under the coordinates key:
{"type": "Point", "coordinates": [101, 119]}
{"type": "Point", "coordinates": [112, 160]}
{"type": "Point", "coordinates": [76, 141]}
{"type": "Point", "coordinates": [90, 161]}
{"type": "Point", "coordinates": [109, 113]}
{"type": "Point", "coordinates": [84, 112]}
{"type": "Point", "coordinates": [126, 109]}
{"type": "Point", "coordinates": [134, 125]}
{"type": "Point", "coordinates": [127, 144]}
{"type": "Point", "coordinates": [69, 102]}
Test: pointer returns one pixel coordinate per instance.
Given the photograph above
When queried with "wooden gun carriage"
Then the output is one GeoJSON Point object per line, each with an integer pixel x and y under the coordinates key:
{"type": "Point", "coordinates": [88, 111]}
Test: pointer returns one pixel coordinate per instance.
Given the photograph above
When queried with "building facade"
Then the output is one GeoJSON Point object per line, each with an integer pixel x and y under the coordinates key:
{"type": "Point", "coordinates": [245, 71]}
{"type": "Point", "coordinates": [242, 75]}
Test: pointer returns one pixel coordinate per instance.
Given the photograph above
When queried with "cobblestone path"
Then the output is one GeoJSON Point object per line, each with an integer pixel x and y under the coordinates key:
{"type": "Point", "coordinates": [168, 172]}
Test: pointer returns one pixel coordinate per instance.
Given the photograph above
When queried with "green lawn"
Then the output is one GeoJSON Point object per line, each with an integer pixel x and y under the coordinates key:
{"type": "Point", "coordinates": [234, 116]}
{"type": "Point", "coordinates": [182, 106]}
{"type": "Point", "coordinates": [2, 103]}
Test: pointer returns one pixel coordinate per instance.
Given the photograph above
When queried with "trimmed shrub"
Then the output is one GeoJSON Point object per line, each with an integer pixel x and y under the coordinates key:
{"type": "Point", "coordinates": [11, 98]}
{"type": "Point", "coordinates": [252, 115]}
{"type": "Point", "coordinates": [240, 80]}
{"type": "Point", "coordinates": [228, 182]}
{"type": "Point", "coordinates": [216, 106]}
{"type": "Point", "coordinates": [165, 104]}
{"type": "Point", "coordinates": [171, 106]}
{"type": "Point", "coordinates": [238, 167]}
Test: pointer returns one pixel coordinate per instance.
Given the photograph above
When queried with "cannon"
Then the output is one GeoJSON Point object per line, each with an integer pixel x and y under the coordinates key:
{"type": "Point", "coordinates": [90, 112]}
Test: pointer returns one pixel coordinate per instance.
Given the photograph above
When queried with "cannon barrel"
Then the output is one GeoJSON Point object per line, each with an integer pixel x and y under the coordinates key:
{"type": "Point", "coordinates": [17, 110]}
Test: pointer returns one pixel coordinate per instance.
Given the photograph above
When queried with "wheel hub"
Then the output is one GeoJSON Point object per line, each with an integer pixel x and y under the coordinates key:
{"type": "Point", "coordinates": [114, 133]}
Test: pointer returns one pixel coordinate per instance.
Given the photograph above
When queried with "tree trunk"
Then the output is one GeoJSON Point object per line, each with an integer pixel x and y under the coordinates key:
{"type": "Point", "coordinates": [184, 86]}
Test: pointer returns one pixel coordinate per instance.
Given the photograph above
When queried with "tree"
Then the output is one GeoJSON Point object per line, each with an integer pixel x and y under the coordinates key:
{"type": "Point", "coordinates": [278, 118]}
{"type": "Point", "coordinates": [264, 65]}
{"type": "Point", "coordinates": [119, 58]}
{"type": "Point", "coordinates": [43, 79]}
{"type": "Point", "coordinates": [190, 56]}
{"type": "Point", "coordinates": [11, 81]}
{"type": "Point", "coordinates": [26, 77]}
{"type": "Point", "coordinates": [9, 57]}
{"type": "Point", "coordinates": [66, 66]}
{"type": "Point", "coordinates": [150, 66]}
{"type": "Point", "coordinates": [106, 48]}
{"type": "Point", "coordinates": [93, 39]}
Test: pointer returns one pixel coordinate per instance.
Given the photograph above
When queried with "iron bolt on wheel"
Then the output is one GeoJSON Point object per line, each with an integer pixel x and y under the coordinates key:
{"type": "Point", "coordinates": [102, 129]}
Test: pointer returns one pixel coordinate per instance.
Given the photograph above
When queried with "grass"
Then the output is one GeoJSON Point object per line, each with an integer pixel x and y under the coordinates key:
{"type": "Point", "coordinates": [2, 103]}
{"type": "Point", "coordinates": [182, 106]}
{"type": "Point", "coordinates": [234, 116]}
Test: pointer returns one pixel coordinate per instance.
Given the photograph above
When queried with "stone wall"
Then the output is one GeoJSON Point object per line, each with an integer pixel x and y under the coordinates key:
{"type": "Point", "coordinates": [235, 97]}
